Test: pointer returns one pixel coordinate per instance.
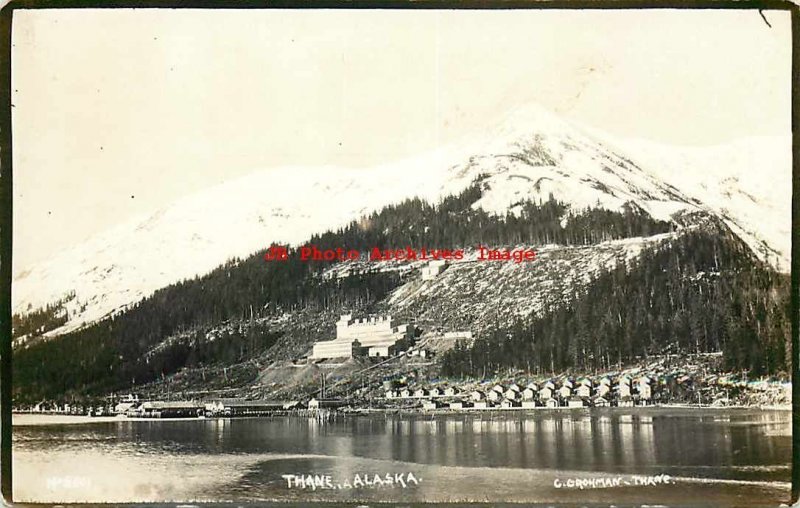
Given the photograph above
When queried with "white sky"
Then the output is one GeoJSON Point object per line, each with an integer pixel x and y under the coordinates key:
{"type": "Point", "coordinates": [119, 112]}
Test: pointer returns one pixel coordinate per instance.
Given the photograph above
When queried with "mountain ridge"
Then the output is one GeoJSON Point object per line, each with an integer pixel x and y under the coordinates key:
{"type": "Point", "coordinates": [516, 159]}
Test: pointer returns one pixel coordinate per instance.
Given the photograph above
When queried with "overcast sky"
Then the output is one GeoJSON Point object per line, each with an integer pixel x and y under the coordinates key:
{"type": "Point", "coordinates": [119, 112]}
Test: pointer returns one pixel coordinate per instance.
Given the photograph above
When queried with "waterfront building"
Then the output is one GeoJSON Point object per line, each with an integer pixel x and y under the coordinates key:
{"type": "Point", "coordinates": [601, 402]}
{"type": "Point", "coordinates": [126, 403]}
{"type": "Point", "coordinates": [171, 409]}
{"type": "Point", "coordinates": [242, 407]}
{"type": "Point", "coordinates": [316, 403]}
{"type": "Point", "coordinates": [577, 401]}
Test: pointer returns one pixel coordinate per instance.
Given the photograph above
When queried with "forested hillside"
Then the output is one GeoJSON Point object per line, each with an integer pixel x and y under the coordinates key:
{"type": "Point", "coordinates": [704, 293]}
{"type": "Point", "coordinates": [179, 325]}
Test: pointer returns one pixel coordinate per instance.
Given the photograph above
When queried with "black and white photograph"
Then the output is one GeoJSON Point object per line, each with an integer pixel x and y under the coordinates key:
{"type": "Point", "coordinates": [373, 256]}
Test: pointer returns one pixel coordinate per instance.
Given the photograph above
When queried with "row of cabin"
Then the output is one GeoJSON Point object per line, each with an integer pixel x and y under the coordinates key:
{"type": "Point", "coordinates": [583, 393]}
{"type": "Point", "coordinates": [585, 388]}
{"type": "Point", "coordinates": [407, 393]}
{"type": "Point", "coordinates": [514, 404]}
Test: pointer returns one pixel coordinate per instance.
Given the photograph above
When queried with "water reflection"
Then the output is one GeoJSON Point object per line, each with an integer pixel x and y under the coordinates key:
{"type": "Point", "coordinates": [243, 456]}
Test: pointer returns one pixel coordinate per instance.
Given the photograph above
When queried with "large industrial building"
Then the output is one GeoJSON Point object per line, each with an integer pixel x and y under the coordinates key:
{"type": "Point", "coordinates": [377, 336]}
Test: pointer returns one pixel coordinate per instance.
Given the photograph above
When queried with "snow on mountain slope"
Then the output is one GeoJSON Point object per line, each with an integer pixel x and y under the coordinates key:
{"type": "Point", "coordinates": [529, 155]}
{"type": "Point", "coordinates": [202, 231]}
{"type": "Point", "coordinates": [532, 153]}
{"type": "Point", "coordinates": [747, 182]}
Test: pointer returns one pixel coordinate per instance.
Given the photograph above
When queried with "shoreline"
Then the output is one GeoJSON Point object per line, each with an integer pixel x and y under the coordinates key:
{"type": "Point", "coordinates": [31, 419]}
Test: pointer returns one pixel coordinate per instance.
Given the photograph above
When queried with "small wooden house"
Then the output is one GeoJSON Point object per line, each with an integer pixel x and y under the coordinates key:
{"type": "Point", "coordinates": [602, 390]}
{"type": "Point", "coordinates": [436, 392]}
{"type": "Point", "coordinates": [420, 392]}
{"type": "Point", "coordinates": [600, 402]}
{"type": "Point", "coordinates": [477, 395]}
{"type": "Point", "coordinates": [565, 392]}
{"type": "Point", "coordinates": [584, 391]}
{"type": "Point", "coordinates": [529, 394]}
{"type": "Point", "coordinates": [578, 402]}
{"type": "Point", "coordinates": [511, 394]}
{"type": "Point", "coordinates": [450, 391]}
{"type": "Point", "coordinates": [546, 393]}
{"type": "Point", "coordinates": [495, 396]}
{"type": "Point", "coordinates": [508, 404]}
{"type": "Point", "coordinates": [405, 393]}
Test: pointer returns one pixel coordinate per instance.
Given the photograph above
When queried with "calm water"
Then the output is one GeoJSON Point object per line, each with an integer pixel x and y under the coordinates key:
{"type": "Point", "coordinates": [725, 457]}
